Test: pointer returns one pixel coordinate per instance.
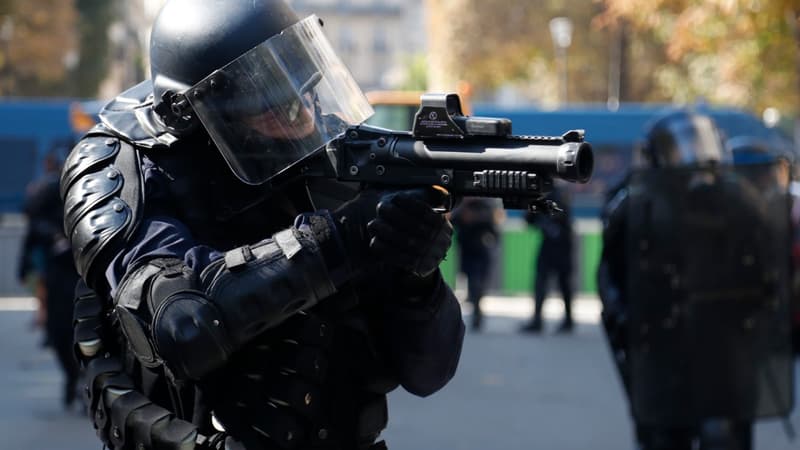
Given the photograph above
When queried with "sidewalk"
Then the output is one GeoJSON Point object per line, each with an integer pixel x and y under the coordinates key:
{"type": "Point", "coordinates": [511, 391]}
{"type": "Point", "coordinates": [586, 308]}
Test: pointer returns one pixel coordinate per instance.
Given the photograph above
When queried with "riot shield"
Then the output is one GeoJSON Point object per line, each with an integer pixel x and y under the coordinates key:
{"type": "Point", "coordinates": [708, 280]}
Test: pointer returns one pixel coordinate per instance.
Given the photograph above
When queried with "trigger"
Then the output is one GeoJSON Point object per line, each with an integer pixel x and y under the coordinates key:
{"type": "Point", "coordinates": [448, 203]}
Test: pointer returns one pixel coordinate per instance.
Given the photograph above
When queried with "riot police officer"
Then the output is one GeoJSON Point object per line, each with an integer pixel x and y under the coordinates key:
{"type": "Point", "coordinates": [230, 302]}
{"type": "Point", "coordinates": [693, 280]}
{"type": "Point", "coordinates": [476, 222]}
{"type": "Point", "coordinates": [46, 254]}
{"type": "Point", "coordinates": [554, 258]}
{"type": "Point", "coordinates": [751, 150]}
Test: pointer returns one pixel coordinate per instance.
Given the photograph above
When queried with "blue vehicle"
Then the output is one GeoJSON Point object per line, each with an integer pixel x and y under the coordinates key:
{"type": "Point", "coordinates": [30, 130]}
{"type": "Point", "coordinates": [615, 134]}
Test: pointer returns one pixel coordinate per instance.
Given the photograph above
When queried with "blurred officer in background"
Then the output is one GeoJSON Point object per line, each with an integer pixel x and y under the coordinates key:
{"type": "Point", "coordinates": [46, 259]}
{"type": "Point", "coordinates": [694, 284]}
{"type": "Point", "coordinates": [255, 309]}
{"type": "Point", "coordinates": [476, 221]}
{"type": "Point", "coordinates": [554, 258]}
{"type": "Point", "coordinates": [749, 150]}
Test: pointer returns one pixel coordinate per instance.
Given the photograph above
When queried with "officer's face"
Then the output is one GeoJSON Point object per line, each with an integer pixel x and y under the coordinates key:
{"type": "Point", "coordinates": [294, 120]}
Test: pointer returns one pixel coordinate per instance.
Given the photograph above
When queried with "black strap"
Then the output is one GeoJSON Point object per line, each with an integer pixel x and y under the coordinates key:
{"type": "Point", "coordinates": [139, 424]}
{"type": "Point", "coordinates": [95, 369]}
{"type": "Point", "coordinates": [170, 433]}
{"type": "Point", "coordinates": [121, 409]}
{"type": "Point", "coordinates": [88, 324]}
{"type": "Point", "coordinates": [87, 307]}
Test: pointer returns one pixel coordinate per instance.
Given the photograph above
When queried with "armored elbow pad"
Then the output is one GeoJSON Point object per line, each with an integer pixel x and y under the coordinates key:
{"type": "Point", "coordinates": [166, 319]}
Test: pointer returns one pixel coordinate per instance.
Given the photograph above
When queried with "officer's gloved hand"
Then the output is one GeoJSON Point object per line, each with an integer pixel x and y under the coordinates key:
{"type": "Point", "coordinates": [398, 228]}
{"type": "Point", "coordinates": [408, 234]}
{"type": "Point", "coordinates": [351, 225]}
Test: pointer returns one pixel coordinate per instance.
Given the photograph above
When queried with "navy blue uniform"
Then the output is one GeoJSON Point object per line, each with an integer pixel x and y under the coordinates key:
{"type": "Point", "coordinates": [477, 239]}
{"type": "Point", "coordinates": [303, 355]}
{"type": "Point", "coordinates": [554, 258]}
{"type": "Point", "coordinates": [47, 252]}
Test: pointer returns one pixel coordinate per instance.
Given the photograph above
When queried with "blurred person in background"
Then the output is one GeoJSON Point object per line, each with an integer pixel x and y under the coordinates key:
{"type": "Point", "coordinates": [256, 309]}
{"type": "Point", "coordinates": [476, 222]}
{"type": "Point", "coordinates": [693, 279]}
{"type": "Point", "coordinates": [554, 258]}
{"type": "Point", "coordinates": [46, 265]}
{"type": "Point", "coordinates": [750, 150]}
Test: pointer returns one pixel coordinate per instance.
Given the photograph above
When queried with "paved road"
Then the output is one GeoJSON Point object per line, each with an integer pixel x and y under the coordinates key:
{"type": "Point", "coordinates": [511, 392]}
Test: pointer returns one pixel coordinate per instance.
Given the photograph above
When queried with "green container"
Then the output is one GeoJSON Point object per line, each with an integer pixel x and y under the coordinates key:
{"type": "Point", "coordinates": [449, 267]}
{"type": "Point", "coordinates": [591, 249]}
{"type": "Point", "coordinates": [517, 261]}
{"type": "Point", "coordinates": [519, 251]}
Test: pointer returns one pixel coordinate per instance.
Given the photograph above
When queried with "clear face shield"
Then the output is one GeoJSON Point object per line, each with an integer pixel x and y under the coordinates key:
{"type": "Point", "coordinates": [279, 103]}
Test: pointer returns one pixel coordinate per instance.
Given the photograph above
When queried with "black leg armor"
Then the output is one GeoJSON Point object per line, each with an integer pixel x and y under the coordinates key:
{"type": "Point", "coordinates": [122, 417]}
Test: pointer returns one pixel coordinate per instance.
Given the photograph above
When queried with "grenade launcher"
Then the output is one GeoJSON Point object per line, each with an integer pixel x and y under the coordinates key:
{"type": "Point", "coordinates": [466, 156]}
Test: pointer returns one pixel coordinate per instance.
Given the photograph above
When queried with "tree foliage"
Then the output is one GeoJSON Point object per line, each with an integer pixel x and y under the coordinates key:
{"type": "Point", "coordinates": [736, 52]}
{"type": "Point", "coordinates": [95, 17]}
{"type": "Point", "coordinates": [491, 43]}
{"type": "Point", "coordinates": [55, 47]}
{"type": "Point", "coordinates": [38, 35]}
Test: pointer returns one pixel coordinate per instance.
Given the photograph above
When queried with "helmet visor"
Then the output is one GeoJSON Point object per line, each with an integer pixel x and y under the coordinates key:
{"type": "Point", "coordinates": [278, 103]}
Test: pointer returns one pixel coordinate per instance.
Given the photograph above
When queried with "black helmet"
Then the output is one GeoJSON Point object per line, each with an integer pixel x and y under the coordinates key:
{"type": "Point", "coordinates": [192, 38]}
{"type": "Point", "coordinates": [761, 153]}
{"type": "Point", "coordinates": [682, 138]}
{"type": "Point", "coordinates": [266, 86]}
{"type": "Point", "coordinates": [748, 149]}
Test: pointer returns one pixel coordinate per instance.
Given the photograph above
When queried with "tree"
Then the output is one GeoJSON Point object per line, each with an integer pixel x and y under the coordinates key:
{"type": "Point", "coordinates": [491, 43]}
{"type": "Point", "coordinates": [95, 17]}
{"type": "Point", "coordinates": [54, 47]}
{"type": "Point", "coordinates": [736, 52]}
{"type": "Point", "coordinates": [36, 36]}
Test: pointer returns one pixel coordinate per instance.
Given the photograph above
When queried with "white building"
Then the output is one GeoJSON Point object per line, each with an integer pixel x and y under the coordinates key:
{"type": "Point", "coordinates": [130, 40]}
{"type": "Point", "coordinates": [374, 38]}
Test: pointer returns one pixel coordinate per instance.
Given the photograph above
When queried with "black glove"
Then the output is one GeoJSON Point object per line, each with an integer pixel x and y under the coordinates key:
{"type": "Point", "coordinates": [398, 228]}
{"type": "Point", "coordinates": [351, 221]}
{"type": "Point", "coordinates": [408, 234]}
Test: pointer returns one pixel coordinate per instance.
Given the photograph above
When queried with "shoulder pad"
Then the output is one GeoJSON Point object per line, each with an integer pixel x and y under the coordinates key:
{"type": "Point", "coordinates": [102, 188]}
{"type": "Point", "coordinates": [130, 115]}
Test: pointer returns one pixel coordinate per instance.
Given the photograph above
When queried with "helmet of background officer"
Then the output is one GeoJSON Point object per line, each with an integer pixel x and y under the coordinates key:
{"type": "Point", "coordinates": [751, 150]}
{"type": "Point", "coordinates": [264, 84]}
{"type": "Point", "coordinates": [682, 138]}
